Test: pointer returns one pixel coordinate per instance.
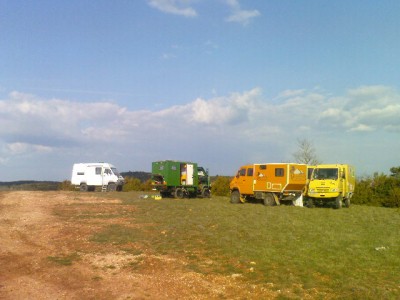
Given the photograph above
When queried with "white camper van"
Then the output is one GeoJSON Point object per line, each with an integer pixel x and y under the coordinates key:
{"type": "Point", "coordinates": [88, 176]}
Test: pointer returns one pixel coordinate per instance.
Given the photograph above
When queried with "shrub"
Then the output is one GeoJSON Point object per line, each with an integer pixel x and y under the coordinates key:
{"type": "Point", "coordinates": [66, 186]}
{"type": "Point", "coordinates": [135, 184]}
{"type": "Point", "coordinates": [220, 187]}
{"type": "Point", "coordinates": [380, 190]}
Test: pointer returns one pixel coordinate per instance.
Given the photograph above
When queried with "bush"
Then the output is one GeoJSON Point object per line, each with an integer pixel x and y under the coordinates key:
{"type": "Point", "coordinates": [220, 187]}
{"type": "Point", "coordinates": [134, 184]}
{"type": "Point", "coordinates": [380, 190]}
{"type": "Point", "coordinates": [66, 186]}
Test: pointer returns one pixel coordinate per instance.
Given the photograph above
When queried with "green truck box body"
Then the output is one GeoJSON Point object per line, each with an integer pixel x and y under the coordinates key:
{"type": "Point", "coordinates": [173, 172]}
{"type": "Point", "coordinates": [180, 178]}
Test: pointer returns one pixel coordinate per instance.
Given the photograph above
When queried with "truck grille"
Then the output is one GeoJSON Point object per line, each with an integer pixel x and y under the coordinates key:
{"type": "Point", "coordinates": [322, 189]}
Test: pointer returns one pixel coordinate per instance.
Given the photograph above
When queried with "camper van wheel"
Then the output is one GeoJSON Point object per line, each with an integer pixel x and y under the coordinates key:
{"type": "Point", "coordinates": [235, 197]}
{"type": "Point", "coordinates": [338, 202]}
{"type": "Point", "coordinates": [347, 202]}
{"type": "Point", "coordinates": [83, 187]}
{"type": "Point", "coordinates": [112, 187]}
{"type": "Point", "coordinates": [179, 193]}
{"type": "Point", "coordinates": [269, 199]}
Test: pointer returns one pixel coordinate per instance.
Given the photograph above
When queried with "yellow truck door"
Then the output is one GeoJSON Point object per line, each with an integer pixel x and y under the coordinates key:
{"type": "Point", "coordinates": [244, 180]}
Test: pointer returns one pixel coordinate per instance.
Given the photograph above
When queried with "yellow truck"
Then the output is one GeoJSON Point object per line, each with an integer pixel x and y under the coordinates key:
{"type": "Point", "coordinates": [331, 183]}
{"type": "Point", "coordinates": [273, 183]}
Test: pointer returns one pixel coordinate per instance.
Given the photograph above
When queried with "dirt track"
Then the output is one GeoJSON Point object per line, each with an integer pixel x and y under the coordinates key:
{"type": "Point", "coordinates": [35, 239]}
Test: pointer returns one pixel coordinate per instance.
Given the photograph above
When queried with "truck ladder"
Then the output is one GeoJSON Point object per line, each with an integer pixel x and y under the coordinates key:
{"type": "Point", "coordinates": [104, 188]}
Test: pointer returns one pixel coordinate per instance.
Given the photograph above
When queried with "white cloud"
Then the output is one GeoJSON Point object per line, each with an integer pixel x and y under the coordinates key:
{"type": "Point", "coordinates": [223, 130]}
{"type": "Point", "coordinates": [185, 8]}
{"type": "Point", "coordinates": [176, 7]}
{"type": "Point", "coordinates": [240, 15]}
{"type": "Point", "coordinates": [22, 148]}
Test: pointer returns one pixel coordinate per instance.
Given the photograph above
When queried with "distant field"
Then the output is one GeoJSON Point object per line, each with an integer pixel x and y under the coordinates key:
{"type": "Point", "coordinates": [348, 253]}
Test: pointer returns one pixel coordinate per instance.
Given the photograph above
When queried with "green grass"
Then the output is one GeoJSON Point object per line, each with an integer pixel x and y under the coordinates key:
{"type": "Point", "coordinates": [351, 253]}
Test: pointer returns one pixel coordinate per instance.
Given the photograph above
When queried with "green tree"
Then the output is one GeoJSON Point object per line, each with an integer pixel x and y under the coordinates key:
{"type": "Point", "coordinates": [395, 172]}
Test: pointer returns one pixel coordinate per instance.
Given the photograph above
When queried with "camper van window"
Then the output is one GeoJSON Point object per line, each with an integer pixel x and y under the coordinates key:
{"type": "Point", "coordinates": [279, 172]}
{"type": "Point", "coordinates": [98, 170]}
{"type": "Point", "coordinates": [250, 172]}
{"type": "Point", "coordinates": [81, 173]}
{"type": "Point", "coordinates": [242, 172]}
{"type": "Point", "coordinates": [263, 167]}
{"type": "Point", "coordinates": [115, 171]}
{"type": "Point", "coordinates": [107, 171]}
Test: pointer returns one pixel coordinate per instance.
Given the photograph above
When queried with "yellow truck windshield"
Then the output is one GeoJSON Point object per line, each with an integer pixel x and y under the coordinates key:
{"type": "Point", "coordinates": [325, 173]}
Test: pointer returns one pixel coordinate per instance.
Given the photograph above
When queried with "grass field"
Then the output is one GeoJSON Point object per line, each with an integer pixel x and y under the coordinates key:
{"type": "Point", "coordinates": [343, 254]}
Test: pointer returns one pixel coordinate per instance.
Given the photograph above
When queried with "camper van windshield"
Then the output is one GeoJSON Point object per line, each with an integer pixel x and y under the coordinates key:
{"type": "Point", "coordinates": [115, 171]}
{"type": "Point", "coordinates": [328, 173]}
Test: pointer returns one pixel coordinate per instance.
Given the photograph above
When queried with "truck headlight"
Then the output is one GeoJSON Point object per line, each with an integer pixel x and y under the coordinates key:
{"type": "Point", "coordinates": [334, 190]}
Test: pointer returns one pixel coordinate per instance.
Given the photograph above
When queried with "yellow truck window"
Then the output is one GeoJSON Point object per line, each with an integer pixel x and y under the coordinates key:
{"type": "Point", "coordinates": [249, 172]}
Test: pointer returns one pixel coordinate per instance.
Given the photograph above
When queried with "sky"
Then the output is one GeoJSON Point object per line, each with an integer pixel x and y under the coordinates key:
{"type": "Point", "coordinates": [219, 82]}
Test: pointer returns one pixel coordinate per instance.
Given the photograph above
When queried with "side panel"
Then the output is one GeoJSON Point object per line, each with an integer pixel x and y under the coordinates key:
{"type": "Point", "coordinates": [350, 181]}
{"type": "Point", "coordinates": [279, 177]}
{"type": "Point", "coordinates": [297, 177]}
{"type": "Point", "coordinates": [94, 175]}
{"type": "Point", "coordinates": [269, 177]}
{"type": "Point", "coordinates": [175, 173]}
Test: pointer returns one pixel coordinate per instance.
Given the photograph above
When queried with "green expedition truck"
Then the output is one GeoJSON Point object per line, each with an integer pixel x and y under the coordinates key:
{"type": "Point", "coordinates": [180, 179]}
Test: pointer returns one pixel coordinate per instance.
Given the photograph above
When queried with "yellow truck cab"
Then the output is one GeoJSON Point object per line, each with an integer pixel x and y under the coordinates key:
{"type": "Point", "coordinates": [331, 183]}
{"type": "Point", "coordinates": [272, 183]}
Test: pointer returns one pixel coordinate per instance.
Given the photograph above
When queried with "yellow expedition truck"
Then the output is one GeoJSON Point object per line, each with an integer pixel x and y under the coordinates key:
{"type": "Point", "coordinates": [273, 183]}
{"type": "Point", "coordinates": [331, 183]}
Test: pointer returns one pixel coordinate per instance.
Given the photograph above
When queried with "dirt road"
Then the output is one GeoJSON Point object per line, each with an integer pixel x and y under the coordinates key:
{"type": "Point", "coordinates": [44, 255]}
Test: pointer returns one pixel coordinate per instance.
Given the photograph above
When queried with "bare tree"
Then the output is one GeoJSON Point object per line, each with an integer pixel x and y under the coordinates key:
{"type": "Point", "coordinates": [305, 153]}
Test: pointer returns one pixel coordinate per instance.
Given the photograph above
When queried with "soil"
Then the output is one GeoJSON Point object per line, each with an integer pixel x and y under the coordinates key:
{"type": "Point", "coordinates": [45, 255]}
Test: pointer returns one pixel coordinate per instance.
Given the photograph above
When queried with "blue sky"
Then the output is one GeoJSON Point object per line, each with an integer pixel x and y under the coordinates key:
{"type": "Point", "coordinates": [219, 82]}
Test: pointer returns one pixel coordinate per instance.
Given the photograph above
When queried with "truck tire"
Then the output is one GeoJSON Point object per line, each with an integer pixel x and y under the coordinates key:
{"type": "Point", "coordinates": [111, 187]}
{"type": "Point", "coordinates": [235, 197]}
{"type": "Point", "coordinates": [269, 199]}
{"type": "Point", "coordinates": [83, 187]}
{"type": "Point", "coordinates": [206, 193]}
{"type": "Point", "coordinates": [347, 202]}
{"type": "Point", "coordinates": [179, 193]}
{"type": "Point", "coordinates": [338, 202]}
{"type": "Point", "coordinates": [309, 203]}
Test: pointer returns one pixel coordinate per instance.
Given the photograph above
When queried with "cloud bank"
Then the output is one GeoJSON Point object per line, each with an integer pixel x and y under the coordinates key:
{"type": "Point", "coordinates": [223, 131]}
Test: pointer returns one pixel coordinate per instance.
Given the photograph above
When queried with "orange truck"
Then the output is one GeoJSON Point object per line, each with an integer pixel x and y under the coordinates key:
{"type": "Point", "coordinates": [273, 183]}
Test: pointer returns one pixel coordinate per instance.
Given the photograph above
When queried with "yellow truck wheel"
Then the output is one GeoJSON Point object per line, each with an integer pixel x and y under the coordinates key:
{"type": "Point", "coordinates": [235, 197]}
{"type": "Point", "coordinates": [338, 202]}
{"type": "Point", "coordinates": [269, 199]}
